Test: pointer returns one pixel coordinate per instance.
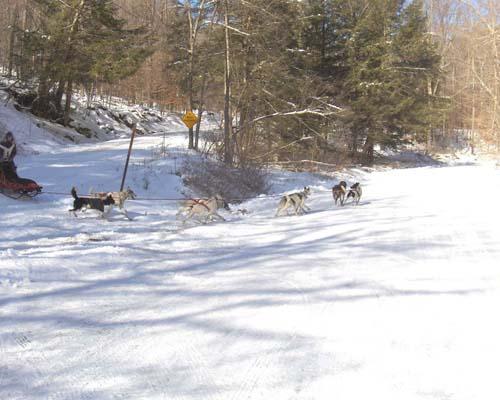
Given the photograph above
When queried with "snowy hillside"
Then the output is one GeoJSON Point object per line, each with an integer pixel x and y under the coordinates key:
{"type": "Point", "coordinates": [89, 122]}
{"type": "Point", "coordinates": [392, 299]}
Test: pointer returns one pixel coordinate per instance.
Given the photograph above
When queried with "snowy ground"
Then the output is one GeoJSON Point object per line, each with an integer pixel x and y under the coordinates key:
{"type": "Point", "coordinates": [394, 299]}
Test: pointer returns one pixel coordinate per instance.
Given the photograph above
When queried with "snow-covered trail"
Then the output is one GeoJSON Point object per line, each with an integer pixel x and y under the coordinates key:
{"type": "Point", "coordinates": [393, 299]}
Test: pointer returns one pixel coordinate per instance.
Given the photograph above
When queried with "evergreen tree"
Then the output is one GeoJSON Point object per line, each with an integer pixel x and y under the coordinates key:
{"type": "Point", "coordinates": [390, 60]}
{"type": "Point", "coordinates": [77, 42]}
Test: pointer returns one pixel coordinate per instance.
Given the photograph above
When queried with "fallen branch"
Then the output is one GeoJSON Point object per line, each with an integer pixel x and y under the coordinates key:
{"type": "Point", "coordinates": [318, 113]}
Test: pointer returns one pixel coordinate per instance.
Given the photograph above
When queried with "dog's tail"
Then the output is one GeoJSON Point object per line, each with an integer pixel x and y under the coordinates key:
{"type": "Point", "coordinates": [73, 193]}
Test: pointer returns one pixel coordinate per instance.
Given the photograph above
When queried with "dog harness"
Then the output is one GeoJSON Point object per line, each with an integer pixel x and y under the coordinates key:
{"type": "Point", "coordinates": [7, 151]}
{"type": "Point", "coordinates": [200, 202]}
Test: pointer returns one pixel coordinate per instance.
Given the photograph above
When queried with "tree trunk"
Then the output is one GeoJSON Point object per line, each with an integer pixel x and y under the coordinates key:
{"type": "Point", "coordinates": [368, 150]}
{"type": "Point", "coordinates": [190, 99]}
{"type": "Point", "coordinates": [193, 32]}
{"type": "Point", "coordinates": [200, 111]}
{"type": "Point", "coordinates": [21, 69]}
{"type": "Point", "coordinates": [228, 137]}
{"type": "Point", "coordinates": [353, 145]}
{"type": "Point", "coordinates": [59, 94]}
{"type": "Point", "coordinates": [429, 130]}
{"type": "Point", "coordinates": [67, 107]}
{"type": "Point", "coordinates": [12, 42]}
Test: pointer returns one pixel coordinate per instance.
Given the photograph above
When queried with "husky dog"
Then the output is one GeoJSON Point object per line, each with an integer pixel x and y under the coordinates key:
{"type": "Point", "coordinates": [119, 198]}
{"type": "Point", "coordinates": [339, 191]}
{"type": "Point", "coordinates": [295, 200]}
{"type": "Point", "coordinates": [355, 192]}
{"type": "Point", "coordinates": [206, 208]}
{"type": "Point", "coordinates": [94, 203]}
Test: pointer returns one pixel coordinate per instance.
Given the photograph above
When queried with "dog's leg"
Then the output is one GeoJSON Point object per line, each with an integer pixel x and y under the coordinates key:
{"type": "Point", "coordinates": [220, 217]}
{"type": "Point", "coordinates": [296, 208]}
{"type": "Point", "coordinates": [188, 216]}
{"type": "Point", "coordinates": [280, 210]}
{"type": "Point", "coordinates": [288, 205]}
{"type": "Point", "coordinates": [286, 208]}
{"type": "Point", "coordinates": [281, 207]}
{"type": "Point", "coordinates": [126, 214]}
{"type": "Point", "coordinates": [184, 220]}
{"type": "Point", "coordinates": [105, 214]}
{"type": "Point", "coordinates": [182, 211]}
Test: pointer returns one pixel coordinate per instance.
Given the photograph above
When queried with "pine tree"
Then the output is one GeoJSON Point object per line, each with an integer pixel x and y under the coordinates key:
{"type": "Point", "coordinates": [79, 41]}
{"type": "Point", "coordinates": [390, 59]}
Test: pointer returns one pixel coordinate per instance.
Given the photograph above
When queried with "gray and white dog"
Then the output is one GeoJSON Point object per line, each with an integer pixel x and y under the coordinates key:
{"type": "Point", "coordinates": [355, 192]}
{"type": "Point", "coordinates": [119, 198]}
{"type": "Point", "coordinates": [203, 209]}
{"type": "Point", "coordinates": [295, 200]}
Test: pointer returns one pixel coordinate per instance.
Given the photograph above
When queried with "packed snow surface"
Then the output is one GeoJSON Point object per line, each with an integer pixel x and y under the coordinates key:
{"type": "Point", "coordinates": [396, 298]}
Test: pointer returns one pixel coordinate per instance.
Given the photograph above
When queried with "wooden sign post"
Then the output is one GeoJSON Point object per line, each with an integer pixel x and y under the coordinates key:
{"type": "Point", "coordinates": [128, 156]}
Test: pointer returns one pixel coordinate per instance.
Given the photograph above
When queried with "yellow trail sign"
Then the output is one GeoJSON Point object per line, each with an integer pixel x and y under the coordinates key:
{"type": "Point", "coordinates": [189, 119]}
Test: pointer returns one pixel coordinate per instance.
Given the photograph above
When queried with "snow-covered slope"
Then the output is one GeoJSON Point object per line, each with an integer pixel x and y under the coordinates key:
{"type": "Point", "coordinates": [393, 299]}
{"type": "Point", "coordinates": [89, 122]}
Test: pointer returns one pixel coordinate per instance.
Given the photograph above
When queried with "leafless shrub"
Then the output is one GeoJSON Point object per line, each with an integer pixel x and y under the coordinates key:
{"type": "Point", "coordinates": [208, 177]}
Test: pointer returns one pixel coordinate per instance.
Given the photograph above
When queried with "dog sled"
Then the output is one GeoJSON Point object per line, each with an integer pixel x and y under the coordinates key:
{"type": "Point", "coordinates": [11, 185]}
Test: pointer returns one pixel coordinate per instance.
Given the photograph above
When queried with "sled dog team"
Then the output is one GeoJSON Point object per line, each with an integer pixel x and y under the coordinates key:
{"type": "Point", "coordinates": [206, 209]}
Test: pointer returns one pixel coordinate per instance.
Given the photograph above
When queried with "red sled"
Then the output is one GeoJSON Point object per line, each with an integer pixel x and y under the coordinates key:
{"type": "Point", "coordinates": [11, 185]}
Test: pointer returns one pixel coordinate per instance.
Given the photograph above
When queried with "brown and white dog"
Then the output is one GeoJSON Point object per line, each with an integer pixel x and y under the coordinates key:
{"type": "Point", "coordinates": [119, 198]}
{"type": "Point", "coordinates": [203, 209]}
{"type": "Point", "coordinates": [339, 191]}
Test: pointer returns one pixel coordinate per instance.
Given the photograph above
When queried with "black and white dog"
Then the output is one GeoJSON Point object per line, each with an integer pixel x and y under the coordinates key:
{"type": "Point", "coordinates": [339, 191]}
{"type": "Point", "coordinates": [94, 203]}
{"type": "Point", "coordinates": [355, 192]}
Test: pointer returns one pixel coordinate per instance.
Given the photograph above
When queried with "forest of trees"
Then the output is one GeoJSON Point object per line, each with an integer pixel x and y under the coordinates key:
{"type": "Point", "coordinates": [328, 80]}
